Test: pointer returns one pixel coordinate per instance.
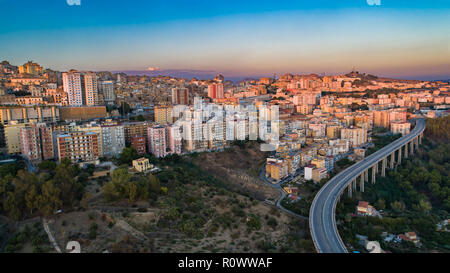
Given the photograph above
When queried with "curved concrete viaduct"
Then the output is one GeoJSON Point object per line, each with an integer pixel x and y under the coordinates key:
{"type": "Point", "coordinates": [322, 220]}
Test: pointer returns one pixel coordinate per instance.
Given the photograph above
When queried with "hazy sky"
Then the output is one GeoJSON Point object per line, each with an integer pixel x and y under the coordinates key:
{"type": "Point", "coordinates": [401, 38]}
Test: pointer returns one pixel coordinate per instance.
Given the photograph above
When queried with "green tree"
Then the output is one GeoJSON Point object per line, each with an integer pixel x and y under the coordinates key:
{"type": "Point", "coordinates": [84, 201]}
{"type": "Point", "coordinates": [93, 231]}
{"type": "Point", "coordinates": [11, 168]}
{"type": "Point", "coordinates": [71, 190]}
{"type": "Point", "coordinates": [272, 222]}
{"type": "Point", "coordinates": [154, 184]}
{"type": "Point", "coordinates": [132, 192]}
{"type": "Point", "coordinates": [423, 206]}
{"type": "Point", "coordinates": [381, 205]}
{"type": "Point", "coordinates": [397, 206]}
{"type": "Point", "coordinates": [172, 213]}
{"type": "Point", "coordinates": [124, 108]}
{"type": "Point", "coordinates": [47, 165]}
{"type": "Point", "coordinates": [253, 222]}
{"type": "Point", "coordinates": [49, 200]}
{"type": "Point", "coordinates": [118, 187]}
{"type": "Point", "coordinates": [31, 198]}
{"type": "Point", "coordinates": [128, 155]}
{"type": "Point", "coordinates": [5, 186]}
{"type": "Point", "coordinates": [12, 206]}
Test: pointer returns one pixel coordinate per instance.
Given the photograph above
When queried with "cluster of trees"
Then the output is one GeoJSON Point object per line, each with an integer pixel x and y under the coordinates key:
{"type": "Point", "coordinates": [344, 163]}
{"type": "Point", "coordinates": [373, 227]}
{"type": "Point", "coordinates": [138, 118]}
{"type": "Point", "coordinates": [355, 107]}
{"type": "Point", "coordinates": [11, 168]}
{"type": "Point", "coordinates": [128, 155]}
{"type": "Point", "coordinates": [302, 206]}
{"type": "Point", "coordinates": [381, 141]}
{"type": "Point", "coordinates": [124, 108]}
{"type": "Point", "coordinates": [186, 205]}
{"type": "Point", "coordinates": [278, 98]}
{"type": "Point", "coordinates": [438, 129]}
{"type": "Point", "coordinates": [122, 187]}
{"type": "Point", "coordinates": [27, 194]}
{"type": "Point", "coordinates": [34, 235]}
{"type": "Point", "coordinates": [22, 93]}
{"type": "Point", "coordinates": [364, 94]}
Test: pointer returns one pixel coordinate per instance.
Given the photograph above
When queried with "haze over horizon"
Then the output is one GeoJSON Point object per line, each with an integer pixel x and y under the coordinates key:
{"type": "Point", "coordinates": [399, 39]}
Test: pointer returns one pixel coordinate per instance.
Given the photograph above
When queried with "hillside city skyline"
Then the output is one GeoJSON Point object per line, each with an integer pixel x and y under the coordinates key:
{"type": "Point", "coordinates": [210, 74]}
{"type": "Point", "coordinates": [237, 135]}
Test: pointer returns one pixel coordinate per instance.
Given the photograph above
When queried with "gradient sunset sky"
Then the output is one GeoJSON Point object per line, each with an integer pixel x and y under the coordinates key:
{"type": "Point", "coordinates": [399, 38]}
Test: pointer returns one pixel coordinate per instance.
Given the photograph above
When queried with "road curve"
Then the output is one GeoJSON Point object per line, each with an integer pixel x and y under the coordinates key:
{"type": "Point", "coordinates": [278, 186]}
{"type": "Point", "coordinates": [322, 220]}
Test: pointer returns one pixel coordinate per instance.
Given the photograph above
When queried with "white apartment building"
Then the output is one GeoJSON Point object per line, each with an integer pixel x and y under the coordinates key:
{"type": "Point", "coordinates": [81, 88]}
{"type": "Point", "coordinates": [113, 139]}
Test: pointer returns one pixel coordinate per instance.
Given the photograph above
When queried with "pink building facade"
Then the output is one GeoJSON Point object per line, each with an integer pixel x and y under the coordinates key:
{"type": "Point", "coordinates": [157, 141]}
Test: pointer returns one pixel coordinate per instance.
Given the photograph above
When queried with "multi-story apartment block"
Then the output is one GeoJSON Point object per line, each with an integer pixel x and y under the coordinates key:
{"type": "Point", "coordinates": [36, 142]}
{"type": "Point", "coordinates": [139, 144]}
{"type": "Point", "coordinates": [180, 96]}
{"type": "Point", "coordinates": [386, 117]}
{"type": "Point", "coordinates": [12, 136]}
{"type": "Point", "coordinates": [29, 114]}
{"type": "Point", "coordinates": [90, 89]}
{"type": "Point", "coordinates": [81, 88]}
{"type": "Point", "coordinates": [106, 89]}
{"type": "Point", "coordinates": [77, 146]}
{"type": "Point", "coordinates": [339, 146]}
{"type": "Point", "coordinates": [318, 174]}
{"type": "Point", "coordinates": [157, 141]}
{"type": "Point", "coordinates": [196, 134]}
{"type": "Point", "coordinates": [93, 128]}
{"type": "Point", "coordinates": [356, 136]}
{"type": "Point", "coordinates": [113, 139]}
{"type": "Point", "coordinates": [397, 116]}
{"type": "Point", "coordinates": [72, 83]}
{"type": "Point", "coordinates": [276, 168]}
{"type": "Point", "coordinates": [306, 98]}
{"type": "Point", "coordinates": [216, 91]}
{"type": "Point", "coordinates": [333, 131]}
{"type": "Point", "coordinates": [293, 161]}
{"type": "Point", "coordinates": [163, 114]}
{"type": "Point", "coordinates": [135, 128]}
{"type": "Point", "coordinates": [318, 129]}
{"type": "Point", "coordinates": [318, 161]}
{"type": "Point", "coordinates": [329, 163]}
{"type": "Point", "coordinates": [381, 119]}
{"type": "Point", "coordinates": [401, 128]}
{"type": "Point", "coordinates": [173, 139]}
{"type": "Point", "coordinates": [308, 171]}
{"type": "Point", "coordinates": [305, 109]}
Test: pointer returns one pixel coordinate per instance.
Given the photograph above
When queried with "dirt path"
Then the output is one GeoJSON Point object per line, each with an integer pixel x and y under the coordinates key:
{"type": "Point", "coordinates": [50, 235]}
{"type": "Point", "coordinates": [136, 233]}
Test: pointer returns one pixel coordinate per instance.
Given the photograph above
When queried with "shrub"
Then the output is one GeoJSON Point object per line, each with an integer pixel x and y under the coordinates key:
{"type": "Point", "coordinates": [93, 231]}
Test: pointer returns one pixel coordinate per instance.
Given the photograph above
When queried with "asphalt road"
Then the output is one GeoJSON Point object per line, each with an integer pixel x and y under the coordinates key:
{"type": "Point", "coordinates": [322, 219]}
{"type": "Point", "coordinates": [278, 186]}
